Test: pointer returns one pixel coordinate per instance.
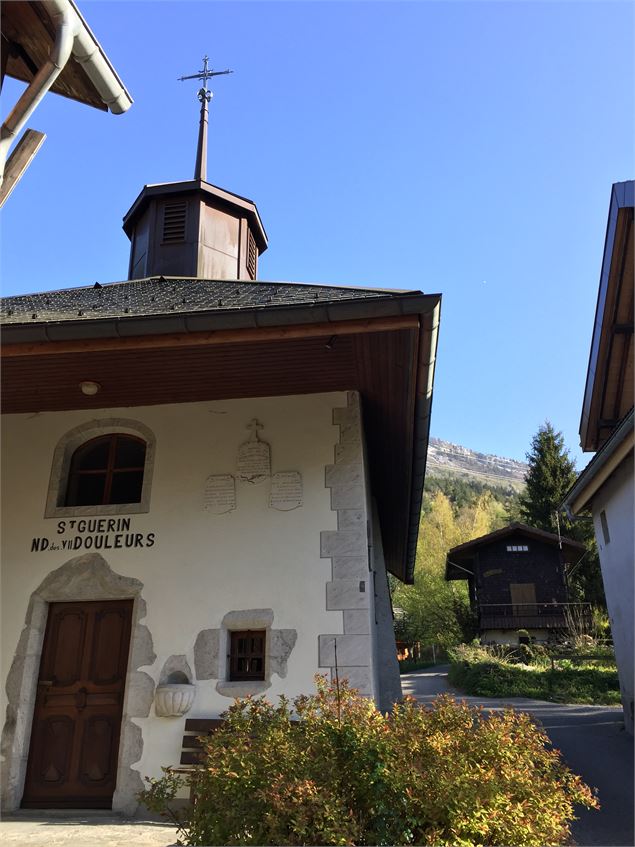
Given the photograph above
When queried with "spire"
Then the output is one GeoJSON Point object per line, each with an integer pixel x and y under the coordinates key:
{"type": "Point", "coordinates": [204, 95]}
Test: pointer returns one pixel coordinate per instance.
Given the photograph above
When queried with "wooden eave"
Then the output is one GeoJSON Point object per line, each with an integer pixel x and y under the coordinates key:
{"type": "Point", "coordinates": [389, 360]}
{"type": "Point", "coordinates": [610, 377]}
{"type": "Point", "coordinates": [28, 35]}
{"type": "Point", "coordinates": [463, 554]}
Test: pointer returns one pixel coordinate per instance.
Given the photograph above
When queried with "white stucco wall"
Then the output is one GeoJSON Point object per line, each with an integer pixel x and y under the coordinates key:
{"type": "Point", "coordinates": [617, 559]}
{"type": "Point", "coordinates": [202, 566]}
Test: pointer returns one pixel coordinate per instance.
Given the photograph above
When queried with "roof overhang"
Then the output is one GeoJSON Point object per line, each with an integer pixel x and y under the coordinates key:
{"type": "Point", "coordinates": [617, 450]}
{"type": "Point", "coordinates": [384, 348]}
{"type": "Point", "coordinates": [28, 35]}
{"type": "Point", "coordinates": [608, 393]}
{"type": "Point", "coordinates": [212, 194]}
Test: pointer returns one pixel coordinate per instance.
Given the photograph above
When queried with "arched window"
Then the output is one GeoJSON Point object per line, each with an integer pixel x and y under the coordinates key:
{"type": "Point", "coordinates": [106, 470]}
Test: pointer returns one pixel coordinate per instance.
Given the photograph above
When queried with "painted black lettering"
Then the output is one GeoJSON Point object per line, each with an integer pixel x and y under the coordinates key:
{"type": "Point", "coordinates": [118, 541]}
{"type": "Point", "coordinates": [81, 526]}
{"type": "Point", "coordinates": [150, 539]}
{"type": "Point", "coordinates": [88, 542]}
{"type": "Point", "coordinates": [61, 527]}
{"type": "Point", "coordinates": [101, 525]}
{"type": "Point", "coordinates": [77, 542]}
{"type": "Point", "coordinates": [107, 544]}
{"type": "Point", "coordinates": [124, 524]}
{"type": "Point", "coordinates": [99, 542]}
{"type": "Point", "coordinates": [138, 539]}
{"type": "Point", "coordinates": [111, 525]}
{"type": "Point", "coordinates": [130, 539]}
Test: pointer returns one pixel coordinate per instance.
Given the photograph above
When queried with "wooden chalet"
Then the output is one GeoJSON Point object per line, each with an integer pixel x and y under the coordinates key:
{"type": "Point", "coordinates": [517, 580]}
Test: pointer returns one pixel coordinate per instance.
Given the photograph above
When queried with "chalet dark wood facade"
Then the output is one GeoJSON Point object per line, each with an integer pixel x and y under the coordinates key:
{"type": "Point", "coordinates": [517, 580]}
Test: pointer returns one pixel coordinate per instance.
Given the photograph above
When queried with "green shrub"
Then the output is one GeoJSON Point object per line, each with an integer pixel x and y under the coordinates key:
{"type": "Point", "coordinates": [347, 774]}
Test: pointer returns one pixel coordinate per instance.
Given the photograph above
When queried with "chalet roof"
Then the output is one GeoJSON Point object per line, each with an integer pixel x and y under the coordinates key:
{"type": "Point", "coordinates": [608, 394]}
{"type": "Point", "coordinates": [172, 296]}
{"type": "Point", "coordinates": [463, 553]}
{"type": "Point", "coordinates": [179, 340]}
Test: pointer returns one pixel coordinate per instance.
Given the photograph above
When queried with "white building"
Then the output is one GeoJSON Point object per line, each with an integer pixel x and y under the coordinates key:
{"type": "Point", "coordinates": [605, 486]}
{"type": "Point", "coordinates": [205, 481]}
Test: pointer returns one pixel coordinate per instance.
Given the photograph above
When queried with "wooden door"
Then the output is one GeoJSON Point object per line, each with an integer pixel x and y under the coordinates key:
{"type": "Point", "coordinates": [77, 719]}
{"type": "Point", "coordinates": [523, 593]}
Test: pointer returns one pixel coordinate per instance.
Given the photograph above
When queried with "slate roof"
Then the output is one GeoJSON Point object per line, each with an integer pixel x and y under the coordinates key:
{"type": "Point", "coordinates": [170, 295]}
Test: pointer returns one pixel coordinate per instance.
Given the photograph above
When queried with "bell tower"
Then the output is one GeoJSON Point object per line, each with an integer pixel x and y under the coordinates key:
{"type": "Point", "coordinates": [194, 228]}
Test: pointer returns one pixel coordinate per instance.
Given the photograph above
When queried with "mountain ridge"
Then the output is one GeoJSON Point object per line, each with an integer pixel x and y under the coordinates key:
{"type": "Point", "coordinates": [454, 459]}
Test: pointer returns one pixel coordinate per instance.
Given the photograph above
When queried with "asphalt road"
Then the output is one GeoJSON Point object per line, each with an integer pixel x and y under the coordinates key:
{"type": "Point", "coordinates": [593, 743]}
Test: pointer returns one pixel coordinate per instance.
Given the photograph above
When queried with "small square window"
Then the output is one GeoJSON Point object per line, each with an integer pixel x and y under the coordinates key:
{"type": "Point", "coordinates": [247, 655]}
{"type": "Point", "coordinates": [605, 527]}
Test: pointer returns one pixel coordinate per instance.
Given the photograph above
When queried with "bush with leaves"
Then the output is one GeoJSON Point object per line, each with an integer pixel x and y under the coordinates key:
{"type": "Point", "coordinates": [334, 770]}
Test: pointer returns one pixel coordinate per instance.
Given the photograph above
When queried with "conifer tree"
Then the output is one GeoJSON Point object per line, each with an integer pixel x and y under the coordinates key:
{"type": "Point", "coordinates": [551, 474]}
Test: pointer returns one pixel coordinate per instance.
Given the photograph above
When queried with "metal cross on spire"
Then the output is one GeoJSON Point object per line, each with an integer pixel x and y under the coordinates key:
{"type": "Point", "coordinates": [204, 95]}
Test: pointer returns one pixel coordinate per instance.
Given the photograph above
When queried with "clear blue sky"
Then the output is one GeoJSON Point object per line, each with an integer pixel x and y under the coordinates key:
{"type": "Point", "coordinates": [465, 148]}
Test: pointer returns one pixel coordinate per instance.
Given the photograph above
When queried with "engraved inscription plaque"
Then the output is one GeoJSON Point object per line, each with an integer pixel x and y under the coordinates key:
{"type": "Point", "coordinates": [286, 491]}
{"type": "Point", "coordinates": [220, 494]}
{"type": "Point", "coordinates": [254, 457]}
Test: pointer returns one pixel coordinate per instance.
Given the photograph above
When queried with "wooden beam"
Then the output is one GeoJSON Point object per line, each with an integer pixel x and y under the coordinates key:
{"type": "Point", "coordinates": [203, 339]}
{"type": "Point", "coordinates": [19, 161]}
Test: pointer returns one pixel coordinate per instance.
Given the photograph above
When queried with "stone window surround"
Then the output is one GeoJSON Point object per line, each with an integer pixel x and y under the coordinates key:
{"type": "Point", "coordinates": [63, 454]}
{"type": "Point", "coordinates": [236, 621]}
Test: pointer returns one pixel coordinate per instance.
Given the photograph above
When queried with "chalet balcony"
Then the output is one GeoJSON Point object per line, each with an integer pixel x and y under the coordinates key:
{"type": "Point", "coordinates": [535, 616]}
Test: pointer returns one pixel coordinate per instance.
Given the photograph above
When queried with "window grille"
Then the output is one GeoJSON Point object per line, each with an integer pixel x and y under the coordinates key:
{"type": "Point", "coordinates": [517, 548]}
{"type": "Point", "coordinates": [174, 219]}
{"type": "Point", "coordinates": [247, 655]}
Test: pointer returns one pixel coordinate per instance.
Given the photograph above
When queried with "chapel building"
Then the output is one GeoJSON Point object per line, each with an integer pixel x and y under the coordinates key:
{"type": "Point", "coordinates": [206, 480]}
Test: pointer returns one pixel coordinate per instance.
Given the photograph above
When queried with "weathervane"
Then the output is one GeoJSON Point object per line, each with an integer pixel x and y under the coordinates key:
{"type": "Point", "coordinates": [204, 95]}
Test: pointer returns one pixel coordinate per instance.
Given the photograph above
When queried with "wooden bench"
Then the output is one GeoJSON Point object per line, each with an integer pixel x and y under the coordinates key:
{"type": "Point", "coordinates": [195, 729]}
{"type": "Point", "coordinates": [192, 746]}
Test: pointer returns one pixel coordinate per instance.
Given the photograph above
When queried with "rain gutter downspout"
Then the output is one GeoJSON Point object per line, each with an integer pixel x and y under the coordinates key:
{"type": "Point", "coordinates": [43, 80]}
{"type": "Point", "coordinates": [72, 37]}
{"type": "Point", "coordinates": [423, 409]}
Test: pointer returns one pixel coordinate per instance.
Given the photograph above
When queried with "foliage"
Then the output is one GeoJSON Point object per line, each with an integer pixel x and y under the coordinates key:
{"type": "Point", "coordinates": [434, 610]}
{"type": "Point", "coordinates": [465, 491]}
{"type": "Point", "coordinates": [551, 474]}
{"type": "Point", "coordinates": [526, 671]}
{"type": "Point", "coordinates": [347, 774]}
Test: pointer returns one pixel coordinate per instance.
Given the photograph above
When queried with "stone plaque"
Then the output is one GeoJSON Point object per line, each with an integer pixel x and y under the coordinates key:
{"type": "Point", "coordinates": [286, 491]}
{"type": "Point", "coordinates": [254, 457]}
{"type": "Point", "coordinates": [220, 494]}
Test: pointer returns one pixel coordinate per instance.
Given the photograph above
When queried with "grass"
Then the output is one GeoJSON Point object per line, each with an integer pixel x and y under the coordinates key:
{"type": "Point", "coordinates": [482, 673]}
